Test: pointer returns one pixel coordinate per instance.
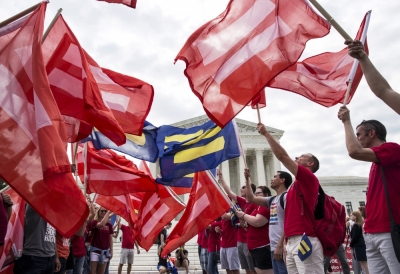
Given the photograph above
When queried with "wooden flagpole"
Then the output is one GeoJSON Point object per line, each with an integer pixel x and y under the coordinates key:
{"type": "Point", "coordinates": [19, 15]}
{"type": "Point", "coordinates": [51, 24]}
{"type": "Point", "coordinates": [4, 189]}
{"type": "Point", "coordinates": [258, 114]}
{"type": "Point", "coordinates": [85, 149]}
{"type": "Point", "coordinates": [333, 22]}
{"type": "Point", "coordinates": [233, 204]}
{"type": "Point", "coordinates": [176, 195]}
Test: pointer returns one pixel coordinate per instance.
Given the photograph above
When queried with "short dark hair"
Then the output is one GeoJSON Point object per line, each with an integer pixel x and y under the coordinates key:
{"type": "Point", "coordinates": [380, 129]}
{"type": "Point", "coordinates": [253, 187]}
{"type": "Point", "coordinates": [316, 163]}
{"type": "Point", "coordinates": [265, 190]}
{"type": "Point", "coordinates": [288, 178]}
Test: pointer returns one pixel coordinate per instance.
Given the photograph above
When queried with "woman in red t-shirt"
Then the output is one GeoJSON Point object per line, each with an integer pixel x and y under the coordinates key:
{"type": "Point", "coordinates": [258, 231]}
{"type": "Point", "coordinates": [101, 248]}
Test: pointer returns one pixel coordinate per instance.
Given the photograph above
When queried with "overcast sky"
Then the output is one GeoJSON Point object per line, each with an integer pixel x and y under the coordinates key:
{"type": "Point", "coordinates": [144, 42]}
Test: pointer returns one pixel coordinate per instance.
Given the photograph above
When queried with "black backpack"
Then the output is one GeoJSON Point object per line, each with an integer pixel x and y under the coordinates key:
{"type": "Point", "coordinates": [281, 201]}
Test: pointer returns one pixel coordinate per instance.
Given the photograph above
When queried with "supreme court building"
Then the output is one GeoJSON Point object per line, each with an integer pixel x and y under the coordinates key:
{"type": "Point", "coordinates": [348, 190]}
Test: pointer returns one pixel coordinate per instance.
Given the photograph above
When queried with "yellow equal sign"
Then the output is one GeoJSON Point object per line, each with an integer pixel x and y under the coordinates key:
{"type": "Point", "coordinates": [303, 245]}
{"type": "Point", "coordinates": [197, 152]}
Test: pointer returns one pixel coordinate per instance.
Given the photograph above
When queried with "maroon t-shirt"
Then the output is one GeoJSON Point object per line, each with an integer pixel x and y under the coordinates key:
{"type": "Point", "coordinates": [78, 246]}
{"type": "Point", "coordinates": [378, 220]}
{"type": "Point", "coordinates": [101, 236]}
{"type": "Point", "coordinates": [246, 208]}
{"type": "Point", "coordinates": [127, 239]}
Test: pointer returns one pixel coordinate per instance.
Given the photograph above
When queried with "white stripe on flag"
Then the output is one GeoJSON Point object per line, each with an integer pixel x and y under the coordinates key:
{"type": "Point", "coordinates": [154, 220]}
{"type": "Point", "coordinates": [66, 82]}
{"type": "Point", "coordinates": [41, 116]}
{"type": "Point", "coordinates": [217, 45]}
{"type": "Point", "coordinates": [110, 175]}
{"type": "Point", "coordinates": [253, 47]}
{"type": "Point", "coordinates": [197, 209]}
{"type": "Point", "coordinates": [115, 101]}
{"type": "Point", "coordinates": [154, 199]}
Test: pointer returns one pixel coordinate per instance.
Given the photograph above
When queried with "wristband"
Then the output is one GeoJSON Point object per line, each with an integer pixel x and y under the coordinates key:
{"type": "Point", "coordinates": [8, 205]}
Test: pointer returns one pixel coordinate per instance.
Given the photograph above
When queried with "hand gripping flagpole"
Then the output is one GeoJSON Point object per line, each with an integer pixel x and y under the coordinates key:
{"type": "Point", "coordinates": [355, 64]}
{"type": "Point", "coordinates": [333, 22]}
{"type": "Point", "coordinates": [19, 15]}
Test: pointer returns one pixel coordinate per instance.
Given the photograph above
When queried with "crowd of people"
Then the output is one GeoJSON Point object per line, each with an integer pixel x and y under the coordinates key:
{"type": "Point", "coordinates": [262, 233]}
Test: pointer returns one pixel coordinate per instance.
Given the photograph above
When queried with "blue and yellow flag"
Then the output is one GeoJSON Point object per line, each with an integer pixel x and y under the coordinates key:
{"type": "Point", "coordinates": [305, 248]}
{"type": "Point", "coordinates": [142, 147]}
{"type": "Point", "coordinates": [185, 151]}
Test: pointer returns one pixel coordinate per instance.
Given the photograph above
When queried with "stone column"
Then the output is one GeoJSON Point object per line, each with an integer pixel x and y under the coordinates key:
{"type": "Point", "coordinates": [260, 167]}
{"type": "Point", "coordinates": [225, 172]}
{"type": "Point", "coordinates": [241, 165]}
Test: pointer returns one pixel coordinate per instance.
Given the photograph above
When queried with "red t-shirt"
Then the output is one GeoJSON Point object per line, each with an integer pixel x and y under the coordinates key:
{"type": "Point", "coordinates": [228, 235]}
{"type": "Point", "coordinates": [101, 236]}
{"type": "Point", "coordinates": [62, 246]}
{"type": "Point", "coordinates": [246, 208]}
{"type": "Point", "coordinates": [378, 220]}
{"type": "Point", "coordinates": [78, 246]}
{"type": "Point", "coordinates": [258, 236]}
{"type": "Point", "coordinates": [127, 239]}
{"type": "Point", "coordinates": [204, 242]}
{"type": "Point", "coordinates": [3, 220]}
{"type": "Point", "coordinates": [295, 223]}
{"type": "Point", "coordinates": [199, 238]}
{"type": "Point", "coordinates": [213, 240]}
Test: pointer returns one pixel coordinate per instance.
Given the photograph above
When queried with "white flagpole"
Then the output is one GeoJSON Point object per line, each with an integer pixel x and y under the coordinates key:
{"type": "Point", "coordinates": [355, 64]}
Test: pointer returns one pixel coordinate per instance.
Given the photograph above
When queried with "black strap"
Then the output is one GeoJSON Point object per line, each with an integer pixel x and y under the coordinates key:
{"type": "Point", "coordinates": [386, 193]}
{"type": "Point", "coordinates": [281, 201]}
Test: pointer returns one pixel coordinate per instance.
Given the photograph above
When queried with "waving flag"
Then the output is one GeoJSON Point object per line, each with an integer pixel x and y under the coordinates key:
{"type": "Point", "coordinates": [259, 100]}
{"type": "Point", "coordinates": [129, 3]}
{"type": "Point", "coordinates": [230, 59]}
{"type": "Point", "coordinates": [14, 240]}
{"type": "Point", "coordinates": [156, 211]}
{"type": "Point", "coordinates": [184, 151]}
{"type": "Point", "coordinates": [72, 83]}
{"type": "Point", "coordinates": [111, 174]}
{"type": "Point", "coordinates": [122, 205]}
{"type": "Point", "coordinates": [32, 135]}
{"type": "Point", "coordinates": [142, 147]}
{"type": "Point", "coordinates": [206, 203]}
{"type": "Point", "coordinates": [324, 78]}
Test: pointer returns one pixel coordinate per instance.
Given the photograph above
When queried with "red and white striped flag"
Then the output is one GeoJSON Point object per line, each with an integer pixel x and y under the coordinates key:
{"type": "Point", "coordinates": [14, 240]}
{"type": "Point", "coordinates": [324, 78]}
{"type": "Point", "coordinates": [33, 155]}
{"type": "Point", "coordinates": [230, 59]}
{"type": "Point", "coordinates": [129, 3]}
{"type": "Point", "coordinates": [156, 211]}
{"type": "Point", "coordinates": [206, 203]}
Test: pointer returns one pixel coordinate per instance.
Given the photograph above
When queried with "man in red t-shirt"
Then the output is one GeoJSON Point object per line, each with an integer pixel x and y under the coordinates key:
{"type": "Point", "coordinates": [369, 144]}
{"type": "Point", "coordinates": [128, 247]}
{"type": "Point", "coordinates": [246, 261]}
{"type": "Point", "coordinates": [299, 215]}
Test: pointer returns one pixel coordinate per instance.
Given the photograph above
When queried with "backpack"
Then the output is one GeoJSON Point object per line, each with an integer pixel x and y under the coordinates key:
{"type": "Point", "coordinates": [329, 221]}
{"type": "Point", "coordinates": [281, 201]}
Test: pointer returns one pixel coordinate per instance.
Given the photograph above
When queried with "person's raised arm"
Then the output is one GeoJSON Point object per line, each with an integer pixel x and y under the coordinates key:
{"type": "Point", "coordinates": [105, 219]}
{"type": "Point", "coordinates": [227, 189]}
{"type": "Point", "coordinates": [249, 193]}
{"type": "Point", "coordinates": [278, 150]}
{"type": "Point", "coordinates": [375, 80]}
{"type": "Point", "coordinates": [354, 148]}
{"type": "Point", "coordinates": [92, 212]}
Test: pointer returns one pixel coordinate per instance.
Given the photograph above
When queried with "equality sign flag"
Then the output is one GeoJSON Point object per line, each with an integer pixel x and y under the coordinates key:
{"type": "Point", "coordinates": [206, 203]}
{"type": "Point", "coordinates": [129, 3]}
{"type": "Point", "coordinates": [122, 205]}
{"type": "Point", "coordinates": [231, 58]}
{"type": "Point", "coordinates": [72, 82]}
{"type": "Point", "coordinates": [14, 240]}
{"type": "Point", "coordinates": [33, 155]}
{"type": "Point", "coordinates": [324, 78]}
{"type": "Point", "coordinates": [156, 211]}
{"type": "Point", "coordinates": [142, 147]}
{"type": "Point", "coordinates": [111, 174]}
{"type": "Point", "coordinates": [184, 151]}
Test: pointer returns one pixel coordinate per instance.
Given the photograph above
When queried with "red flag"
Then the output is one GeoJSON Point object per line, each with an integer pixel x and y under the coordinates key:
{"type": "Point", "coordinates": [206, 203]}
{"type": "Point", "coordinates": [259, 100]}
{"type": "Point", "coordinates": [73, 85]}
{"type": "Point", "coordinates": [231, 58]}
{"type": "Point", "coordinates": [112, 174]}
{"type": "Point", "coordinates": [129, 3]}
{"type": "Point", "coordinates": [156, 211]}
{"type": "Point", "coordinates": [122, 205]}
{"type": "Point", "coordinates": [322, 78]}
{"type": "Point", "coordinates": [128, 98]}
{"type": "Point", "coordinates": [32, 135]}
{"type": "Point", "coordinates": [14, 240]}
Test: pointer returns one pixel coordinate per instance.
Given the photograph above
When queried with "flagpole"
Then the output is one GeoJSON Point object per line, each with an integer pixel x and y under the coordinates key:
{"type": "Point", "coordinates": [51, 24]}
{"type": "Point", "coordinates": [233, 204]}
{"type": "Point", "coordinates": [19, 15]}
{"type": "Point", "coordinates": [4, 189]}
{"type": "Point", "coordinates": [333, 22]}
{"type": "Point", "coordinates": [176, 195]}
{"type": "Point", "coordinates": [85, 179]}
{"type": "Point", "coordinates": [258, 114]}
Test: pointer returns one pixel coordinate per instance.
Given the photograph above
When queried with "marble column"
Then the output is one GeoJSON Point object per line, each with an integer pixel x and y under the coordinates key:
{"type": "Point", "coordinates": [260, 167]}
{"type": "Point", "coordinates": [225, 172]}
{"type": "Point", "coordinates": [241, 166]}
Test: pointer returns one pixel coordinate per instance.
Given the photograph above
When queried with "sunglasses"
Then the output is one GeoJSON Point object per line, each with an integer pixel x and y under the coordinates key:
{"type": "Point", "coordinates": [103, 211]}
{"type": "Point", "coordinates": [257, 193]}
{"type": "Point", "coordinates": [243, 187]}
